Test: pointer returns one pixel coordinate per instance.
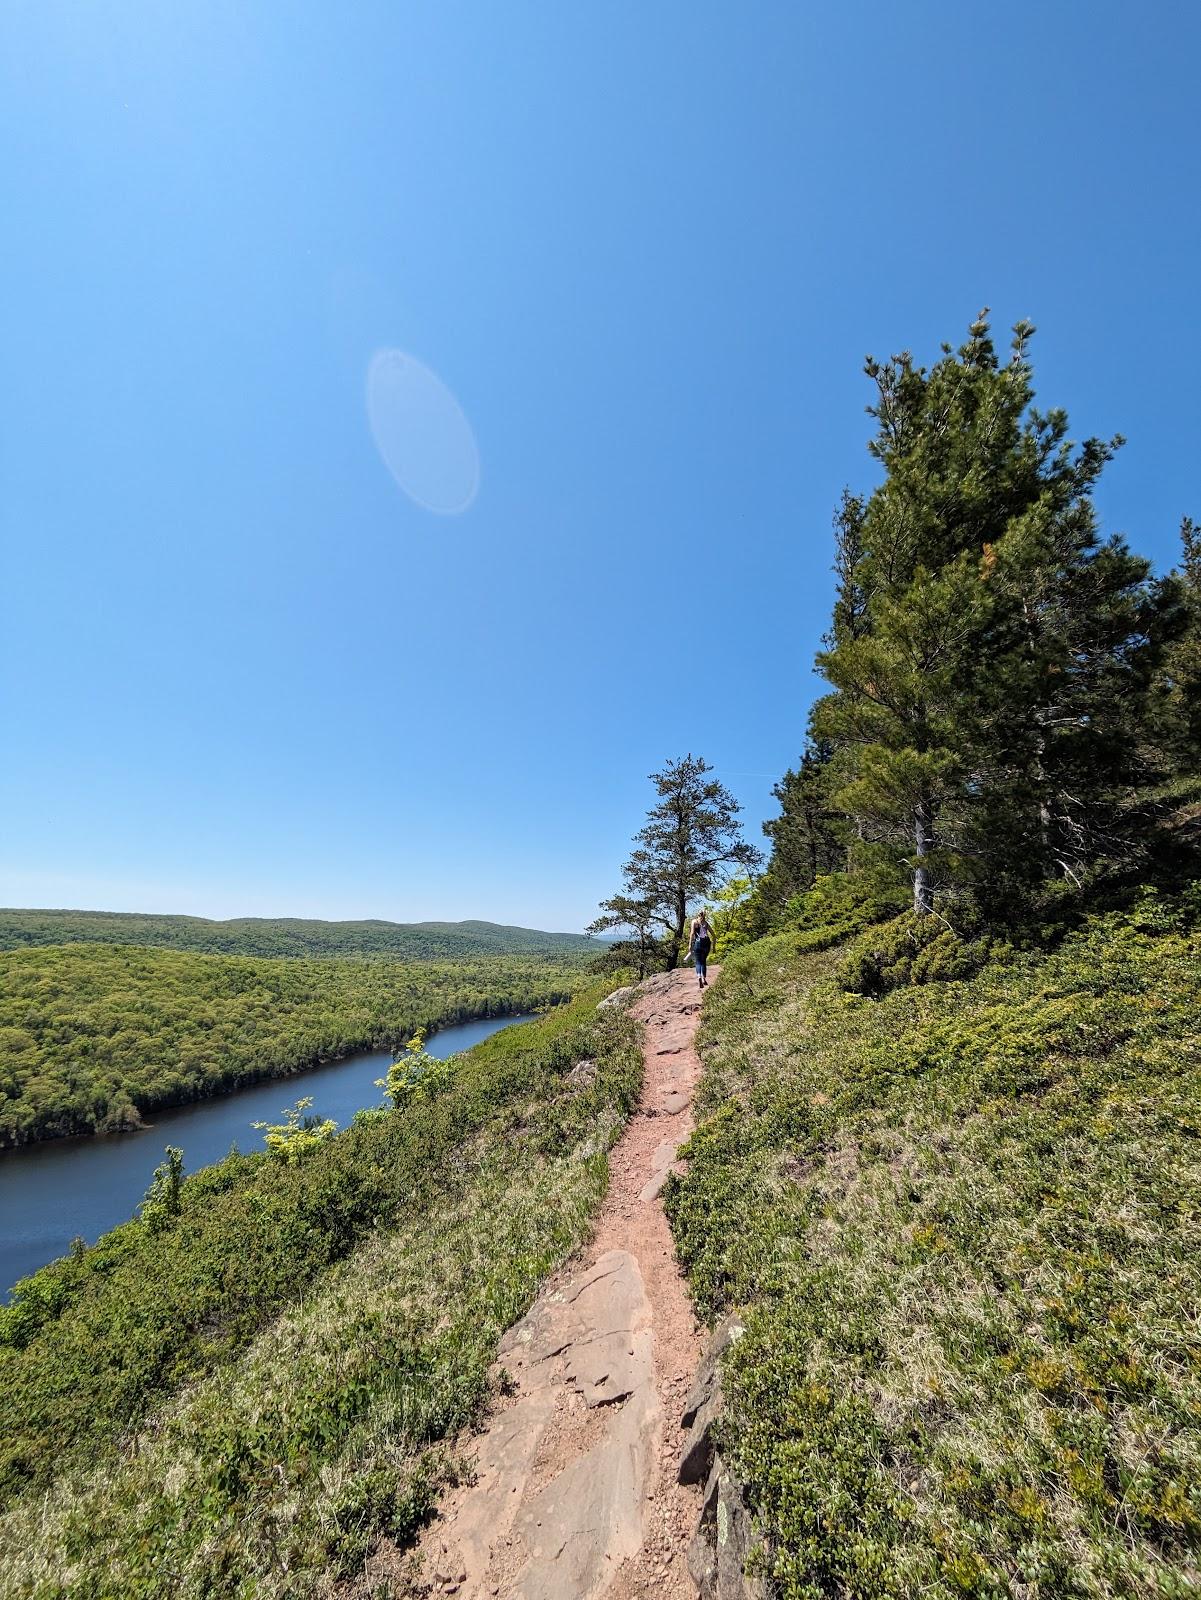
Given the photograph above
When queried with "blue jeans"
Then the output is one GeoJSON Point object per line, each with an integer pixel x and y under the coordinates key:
{"type": "Point", "coordinates": [700, 954]}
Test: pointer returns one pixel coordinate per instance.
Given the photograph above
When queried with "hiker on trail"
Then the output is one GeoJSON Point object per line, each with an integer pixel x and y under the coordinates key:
{"type": "Point", "coordinates": [699, 945]}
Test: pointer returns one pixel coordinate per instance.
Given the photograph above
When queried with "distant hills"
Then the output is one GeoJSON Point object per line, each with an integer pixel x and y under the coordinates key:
{"type": "Point", "coordinates": [287, 936]}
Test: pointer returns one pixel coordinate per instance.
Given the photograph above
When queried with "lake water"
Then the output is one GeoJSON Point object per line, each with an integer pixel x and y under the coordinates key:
{"type": "Point", "coordinates": [54, 1191]}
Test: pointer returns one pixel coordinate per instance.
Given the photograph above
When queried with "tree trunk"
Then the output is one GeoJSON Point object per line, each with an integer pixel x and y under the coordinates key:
{"type": "Point", "coordinates": [677, 935]}
{"type": "Point", "coordinates": [923, 838]}
{"type": "Point", "coordinates": [811, 840]}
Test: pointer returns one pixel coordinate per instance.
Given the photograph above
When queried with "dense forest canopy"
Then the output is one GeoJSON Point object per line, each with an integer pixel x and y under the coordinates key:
{"type": "Point", "coordinates": [93, 1036]}
{"type": "Point", "coordinates": [288, 936]}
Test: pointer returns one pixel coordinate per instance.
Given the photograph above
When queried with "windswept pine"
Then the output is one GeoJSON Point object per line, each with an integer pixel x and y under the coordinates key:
{"type": "Point", "coordinates": [684, 851]}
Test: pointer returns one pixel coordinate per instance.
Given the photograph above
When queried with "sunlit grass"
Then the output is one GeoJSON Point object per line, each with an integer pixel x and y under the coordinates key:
{"type": "Point", "coordinates": [276, 1475]}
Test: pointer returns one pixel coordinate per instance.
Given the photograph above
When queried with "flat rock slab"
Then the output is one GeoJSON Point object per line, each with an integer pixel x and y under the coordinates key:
{"type": "Point", "coordinates": [662, 1161]}
{"type": "Point", "coordinates": [558, 1497]}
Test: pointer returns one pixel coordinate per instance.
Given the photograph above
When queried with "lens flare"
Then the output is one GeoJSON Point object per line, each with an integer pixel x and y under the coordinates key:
{"type": "Point", "coordinates": [421, 433]}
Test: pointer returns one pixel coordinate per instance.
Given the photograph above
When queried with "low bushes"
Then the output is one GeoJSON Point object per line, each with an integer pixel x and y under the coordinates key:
{"type": "Point", "coordinates": [910, 949]}
{"type": "Point", "coordinates": [964, 1221]}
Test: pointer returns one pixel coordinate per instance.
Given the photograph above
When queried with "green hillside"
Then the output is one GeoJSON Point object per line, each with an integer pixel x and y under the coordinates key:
{"type": "Point", "coordinates": [965, 1222]}
{"type": "Point", "coordinates": [288, 936]}
{"type": "Point", "coordinates": [93, 1036]}
{"type": "Point", "coordinates": [244, 1396]}
{"type": "Point", "coordinates": [946, 1168]}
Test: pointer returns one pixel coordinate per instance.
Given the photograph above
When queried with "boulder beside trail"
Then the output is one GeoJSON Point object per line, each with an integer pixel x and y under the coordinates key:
{"type": "Point", "coordinates": [703, 1405]}
{"type": "Point", "coordinates": [724, 1534]}
{"type": "Point", "coordinates": [723, 1541]}
{"type": "Point", "coordinates": [619, 997]}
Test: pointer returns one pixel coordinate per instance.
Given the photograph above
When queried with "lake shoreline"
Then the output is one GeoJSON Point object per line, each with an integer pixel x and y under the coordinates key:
{"type": "Point", "coordinates": [250, 1080]}
{"type": "Point", "coordinates": [53, 1190]}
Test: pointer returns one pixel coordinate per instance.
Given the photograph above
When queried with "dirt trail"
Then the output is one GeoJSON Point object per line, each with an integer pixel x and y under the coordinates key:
{"type": "Point", "coordinates": [575, 1493]}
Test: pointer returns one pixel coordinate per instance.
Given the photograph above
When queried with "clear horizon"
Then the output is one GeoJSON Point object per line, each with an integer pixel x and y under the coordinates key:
{"type": "Point", "coordinates": [421, 423]}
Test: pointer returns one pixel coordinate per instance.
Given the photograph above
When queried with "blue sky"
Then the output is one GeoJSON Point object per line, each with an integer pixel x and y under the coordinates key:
{"type": "Point", "coordinates": [645, 248]}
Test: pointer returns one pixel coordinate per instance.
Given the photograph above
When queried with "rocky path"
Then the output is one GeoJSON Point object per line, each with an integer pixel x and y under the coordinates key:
{"type": "Point", "coordinates": [575, 1493]}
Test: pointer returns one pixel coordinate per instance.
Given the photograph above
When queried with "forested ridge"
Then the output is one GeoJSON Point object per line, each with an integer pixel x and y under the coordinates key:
{"type": "Point", "coordinates": [93, 1036]}
{"type": "Point", "coordinates": [287, 936]}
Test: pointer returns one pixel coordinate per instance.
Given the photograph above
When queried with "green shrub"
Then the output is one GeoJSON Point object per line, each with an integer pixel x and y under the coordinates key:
{"type": "Point", "coordinates": [840, 905]}
{"type": "Point", "coordinates": [909, 949]}
{"type": "Point", "coordinates": [415, 1074]}
{"type": "Point", "coordinates": [162, 1201]}
{"type": "Point", "coordinates": [298, 1135]}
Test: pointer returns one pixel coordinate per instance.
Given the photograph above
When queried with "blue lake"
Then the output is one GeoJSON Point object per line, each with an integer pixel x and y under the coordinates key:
{"type": "Point", "coordinates": [52, 1192]}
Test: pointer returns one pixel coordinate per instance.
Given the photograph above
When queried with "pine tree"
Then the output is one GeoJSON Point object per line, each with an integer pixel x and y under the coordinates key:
{"type": "Point", "coordinates": [690, 837]}
{"type": "Point", "coordinates": [807, 837]}
{"type": "Point", "coordinates": [988, 654]}
{"type": "Point", "coordinates": [163, 1200]}
{"type": "Point", "coordinates": [1178, 688]}
{"type": "Point", "coordinates": [640, 917]}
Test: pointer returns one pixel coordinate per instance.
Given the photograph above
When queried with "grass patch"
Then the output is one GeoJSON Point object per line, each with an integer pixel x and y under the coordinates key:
{"type": "Point", "coordinates": [965, 1219]}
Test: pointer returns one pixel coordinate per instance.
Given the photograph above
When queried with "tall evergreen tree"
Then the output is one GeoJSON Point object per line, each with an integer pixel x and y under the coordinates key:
{"type": "Point", "coordinates": [640, 918]}
{"type": "Point", "coordinates": [1178, 689]}
{"type": "Point", "coordinates": [988, 655]}
{"type": "Point", "coordinates": [807, 836]}
{"type": "Point", "coordinates": [691, 836]}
